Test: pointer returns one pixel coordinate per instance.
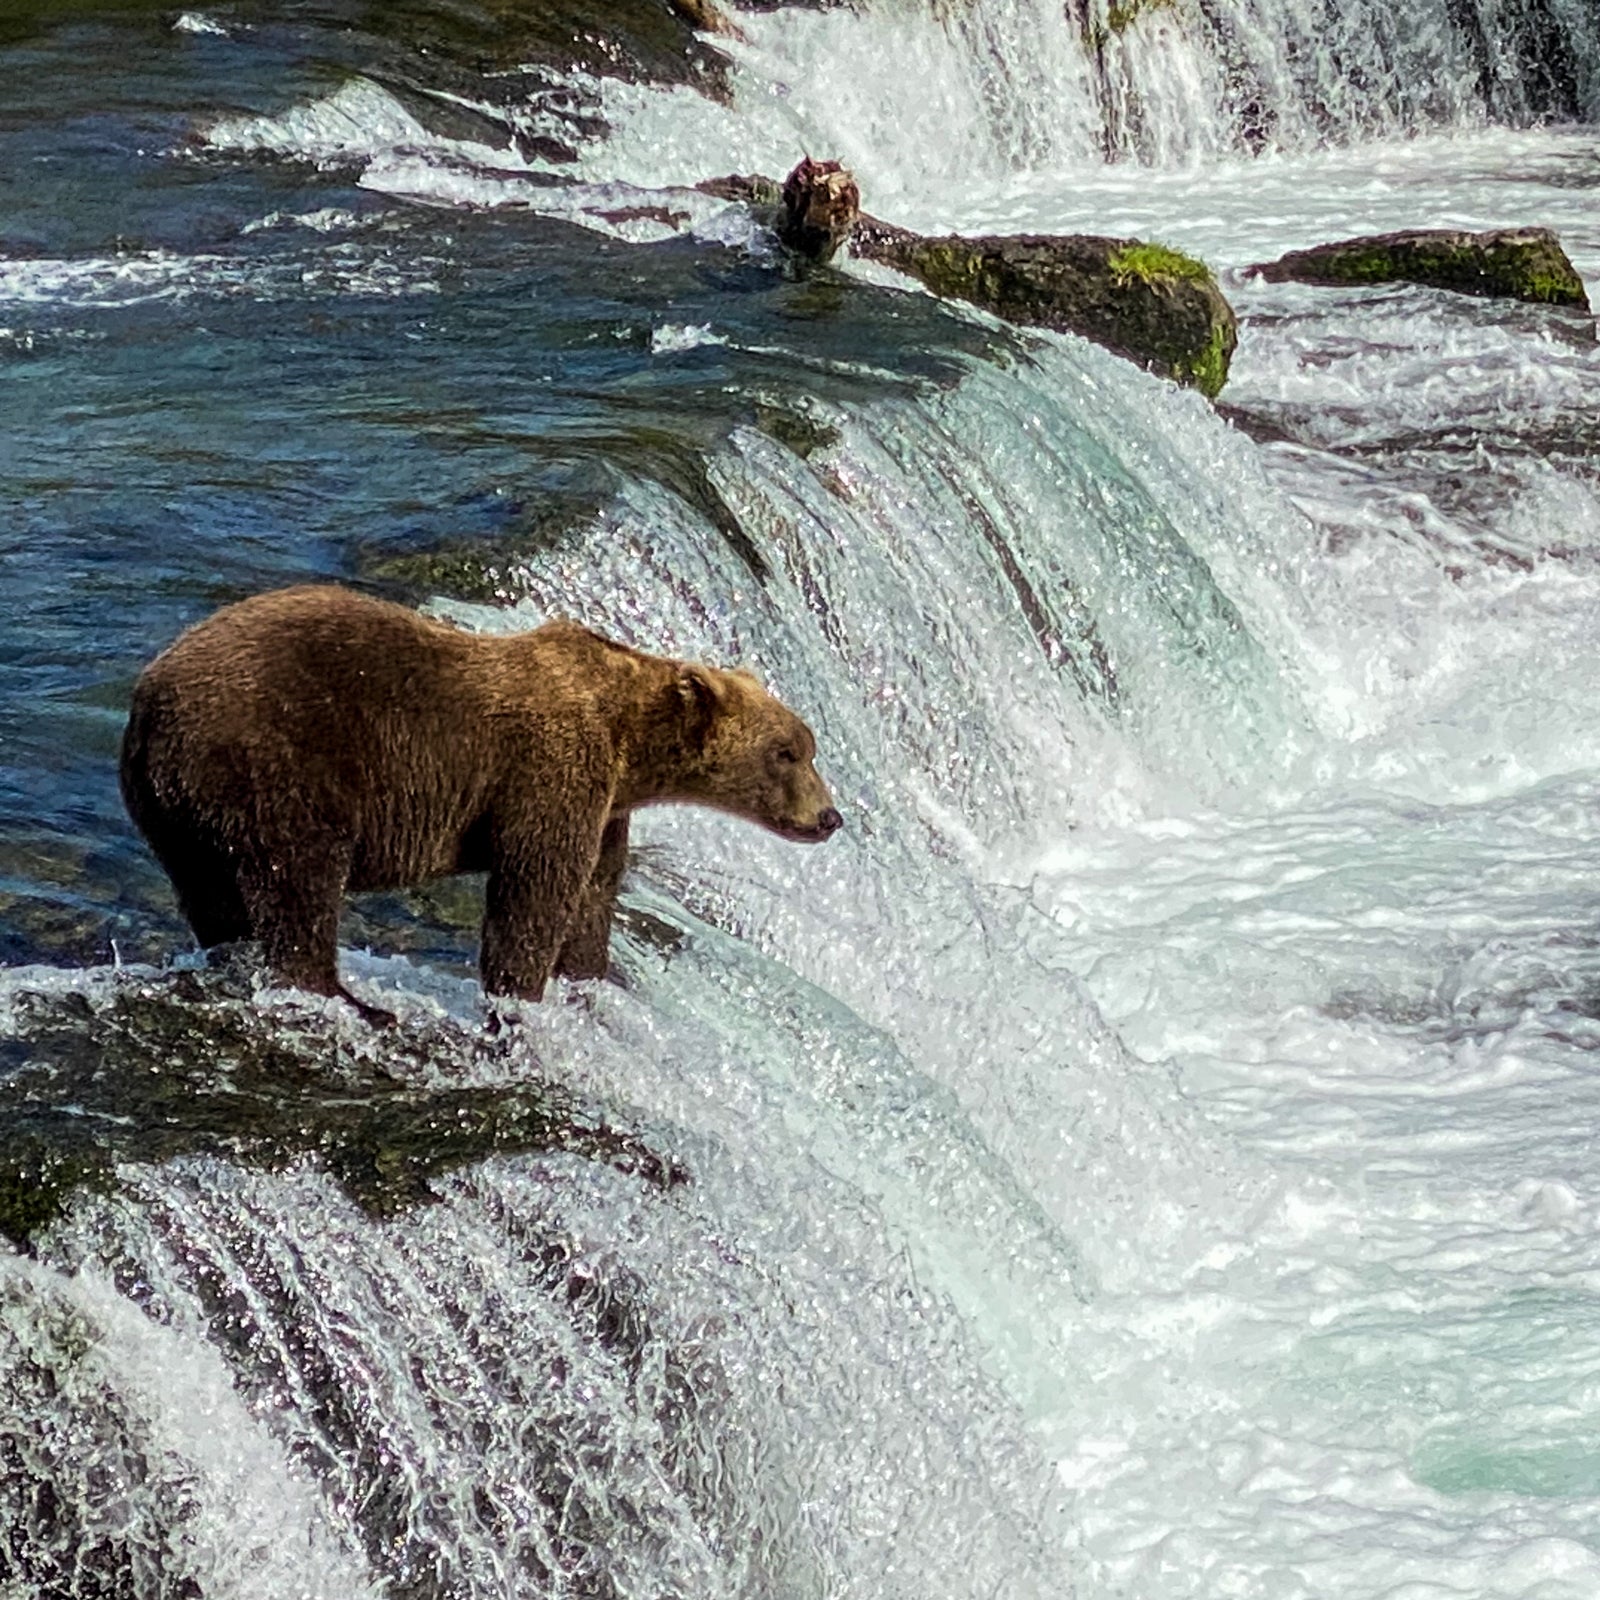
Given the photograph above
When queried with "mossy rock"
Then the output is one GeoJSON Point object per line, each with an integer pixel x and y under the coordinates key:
{"type": "Point", "coordinates": [1122, 14]}
{"type": "Point", "coordinates": [794, 429]}
{"type": "Point", "coordinates": [155, 1068]}
{"type": "Point", "coordinates": [1511, 263]}
{"type": "Point", "coordinates": [1155, 306]}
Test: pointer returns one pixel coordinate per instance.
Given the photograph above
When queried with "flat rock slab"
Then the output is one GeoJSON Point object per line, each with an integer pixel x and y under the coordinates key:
{"type": "Point", "coordinates": [1510, 263]}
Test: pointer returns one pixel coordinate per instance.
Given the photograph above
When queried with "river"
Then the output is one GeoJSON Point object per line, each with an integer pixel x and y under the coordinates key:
{"type": "Point", "coordinates": [1147, 1154]}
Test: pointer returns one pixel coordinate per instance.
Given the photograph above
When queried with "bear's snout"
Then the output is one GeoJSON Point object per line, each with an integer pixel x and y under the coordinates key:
{"type": "Point", "coordinates": [828, 823]}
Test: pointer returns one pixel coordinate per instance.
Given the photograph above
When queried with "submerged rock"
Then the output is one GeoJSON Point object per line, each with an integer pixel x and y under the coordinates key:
{"type": "Point", "coordinates": [483, 568]}
{"type": "Point", "coordinates": [168, 1066]}
{"type": "Point", "coordinates": [1119, 16]}
{"type": "Point", "coordinates": [1152, 305]}
{"type": "Point", "coordinates": [1509, 263]}
{"type": "Point", "coordinates": [644, 40]}
{"type": "Point", "coordinates": [706, 16]}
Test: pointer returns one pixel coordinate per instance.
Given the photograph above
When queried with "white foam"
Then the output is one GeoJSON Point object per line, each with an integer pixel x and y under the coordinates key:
{"type": "Point", "coordinates": [673, 337]}
{"type": "Point", "coordinates": [127, 1394]}
{"type": "Point", "coordinates": [354, 122]}
{"type": "Point", "coordinates": [198, 22]}
{"type": "Point", "coordinates": [363, 125]}
{"type": "Point", "coordinates": [325, 219]}
{"type": "Point", "coordinates": [165, 275]}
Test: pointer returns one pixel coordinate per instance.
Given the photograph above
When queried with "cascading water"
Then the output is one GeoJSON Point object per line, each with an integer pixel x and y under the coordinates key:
{"type": "Point", "coordinates": [1145, 1154]}
{"type": "Point", "coordinates": [930, 107]}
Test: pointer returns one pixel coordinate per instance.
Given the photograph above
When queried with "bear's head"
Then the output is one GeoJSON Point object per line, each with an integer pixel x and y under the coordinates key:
{"type": "Point", "coordinates": [752, 755]}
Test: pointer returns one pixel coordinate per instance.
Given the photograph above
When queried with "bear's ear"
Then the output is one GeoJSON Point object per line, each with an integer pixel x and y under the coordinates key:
{"type": "Point", "coordinates": [701, 697]}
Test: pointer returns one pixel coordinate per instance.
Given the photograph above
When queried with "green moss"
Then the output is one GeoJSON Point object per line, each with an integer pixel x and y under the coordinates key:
{"type": "Point", "coordinates": [1122, 13]}
{"type": "Point", "coordinates": [1548, 288]}
{"type": "Point", "coordinates": [1363, 266]}
{"type": "Point", "coordinates": [36, 1182]}
{"type": "Point", "coordinates": [948, 267]}
{"type": "Point", "coordinates": [1208, 370]}
{"type": "Point", "coordinates": [1540, 274]}
{"type": "Point", "coordinates": [1119, 17]}
{"type": "Point", "coordinates": [1151, 263]}
{"type": "Point", "coordinates": [802, 434]}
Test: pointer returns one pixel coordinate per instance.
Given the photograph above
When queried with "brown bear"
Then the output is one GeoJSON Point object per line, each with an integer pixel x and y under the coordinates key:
{"type": "Point", "coordinates": [314, 740]}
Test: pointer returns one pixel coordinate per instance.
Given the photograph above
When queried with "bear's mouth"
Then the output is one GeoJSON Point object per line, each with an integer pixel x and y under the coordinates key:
{"type": "Point", "coordinates": [814, 834]}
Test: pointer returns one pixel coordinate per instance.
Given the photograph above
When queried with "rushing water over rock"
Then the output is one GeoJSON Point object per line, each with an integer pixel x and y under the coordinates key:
{"type": "Point", "coordinates": [964, 96]}
{"type": "Point", "coordinates": [1147, 1152]}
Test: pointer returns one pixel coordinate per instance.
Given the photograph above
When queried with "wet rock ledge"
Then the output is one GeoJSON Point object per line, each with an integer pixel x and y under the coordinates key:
{"type": "Point", "coordinates": [151, 1069]}
{"type": "Point", "coordinates": [1151, 305]}
{"type": "Point", "coordinates": [1511, 263]}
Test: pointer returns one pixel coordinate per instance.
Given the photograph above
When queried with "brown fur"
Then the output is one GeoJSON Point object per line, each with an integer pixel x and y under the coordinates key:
{"type": "Point", "coordinates": [821, 202]}
{"type": "Point", "coordinates": [314, 741]}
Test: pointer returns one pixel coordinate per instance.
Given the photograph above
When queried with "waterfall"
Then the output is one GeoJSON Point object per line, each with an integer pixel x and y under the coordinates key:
{"type": "Point", "coordinates": [810, 1371]}
{"type": "Point", "coordinates": [1144, 1153]}
{"type": "Point", "coordinates": [930, 104]}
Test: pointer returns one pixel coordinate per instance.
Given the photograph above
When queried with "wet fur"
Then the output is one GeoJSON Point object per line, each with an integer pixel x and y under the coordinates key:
{"type": "Point", "coordinates": [314, 741]}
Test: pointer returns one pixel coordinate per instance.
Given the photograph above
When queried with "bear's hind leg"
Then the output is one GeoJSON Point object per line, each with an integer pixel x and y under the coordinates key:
{"type": "Point", "coordinates": [293, 897]}
{"type": "Point", "coordinates": [217, 917]}
{"type": "Point", "coordinates": [205, 881]}
{"type": "Point", "coordinates": [294, 900]}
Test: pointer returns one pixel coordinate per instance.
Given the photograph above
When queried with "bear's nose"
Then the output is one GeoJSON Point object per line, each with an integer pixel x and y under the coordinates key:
{"type": "Point", "coordinates": [830, 821]}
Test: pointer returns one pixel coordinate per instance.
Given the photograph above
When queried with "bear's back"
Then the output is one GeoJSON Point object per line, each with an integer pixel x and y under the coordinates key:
{"type": "Point", "coordinates": [305, 667]}
{"type": "Point", "coordinates": [312, 706]}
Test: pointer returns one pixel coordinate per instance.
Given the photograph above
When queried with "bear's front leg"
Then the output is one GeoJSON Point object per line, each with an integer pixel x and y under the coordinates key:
{"type": "Point", "coordinates": [587, 950]}
{"type": "Point", "coordinates": [537, 878]}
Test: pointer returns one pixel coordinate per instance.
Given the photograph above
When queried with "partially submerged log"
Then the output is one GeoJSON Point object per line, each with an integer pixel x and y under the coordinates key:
{"type": "Point", "coordinates": [1509, 263]}
{"type": "Point", "coordinates": [1142, 301]}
